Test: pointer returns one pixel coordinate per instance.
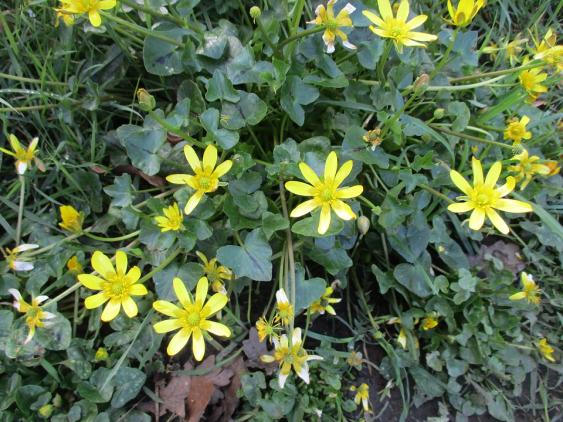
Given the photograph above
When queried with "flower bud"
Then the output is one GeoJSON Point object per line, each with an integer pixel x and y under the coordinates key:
{"type": "Point", "coordinates": [439, 113]}
{"type": "Point", "coordinates": [46, 411]}
{"type": "Point", "coordinates": [421, 83]}
{"type": "Point", "coordinates": [146, 100]}
{"type": "Point", "coordinates": [363, 224]}
{"type": "Point", "coordinates": [255, 13]}
{"type": "Point", "coordinates": [101, 354]}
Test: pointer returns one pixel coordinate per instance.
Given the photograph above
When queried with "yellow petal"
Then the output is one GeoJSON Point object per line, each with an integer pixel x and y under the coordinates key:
{"type": "Point", "coordinates": [304, 208]}
{"type": "Point", "coordinates": [91, 281]}
{"type": "Point", "coordinates": [373, 17]}
{"type": "Point", "coordinates": [121, 262]}
{"type": "Point", "coordinates": [222, 169]}
{"type": "Point", "coordinates": [198, 344]}
{"type": "Point", "coordinates": [460, 207]}
{"type": "Point", "coordinates": [129, 306]}
{"type": "Point", "coordinates": [416, 21]}
{"type": "Point", "coordinates": [421, 36]}
{"type": "Point", "coordinates": [95, 20]}
{"type": "Point", "coordinates": [181, 292]}
{"type": "Point", "coordinates": [385, 9]}
{"type": "Point", "coordinates": [167, 308]}
{"type": "Point", "coordinates": [201, 290]}
{"type": "Point", "coordinates": [343, 210]}
{"type": "Point", "coordinates": [493, 174]}
{"type": "Point", "coordinates": [349, 192]}
{"type": "Point", "coordinates": [324, 221]}
{"type": "Point", "coordinates": [331, 166]}
{"type": "Point", "coordinates": [92, 302]}
{"type": "Point", "coordinates": [214, 304]}
{"type": "Point", "coordinates": [300, 188]}
{"type": "Point", "coordinates": [133, 275]}
{"type": "Point", "coordinates": [403, 11]}
{"type": "Point", "coordinates": [343, 172]}
{"type": "Point", "coordinates": [477, 171]}
{"type": "Point", "coordinates": [179, 179]}
{"type": "Point", "coordinates": [507, 187]}
{"type": "Point", "coordinates": [518, 296]}
{"type": "Point", "coordinates": [497, 221]}
{"type": "Point", "coordinates": [102, 264]}
{"type": "Point", "coordinates": [138, 290]}
{"type": "Point", "coordinates": [309, 175]}
{"type": "Point", "coordinates": [512, 205]}
{"type": "Point", "coordinates": [111, 310]}
{"type": "Point", "coordinates": [209, 158]}
{"type": "Point", "coordinates": [216, 328]}
{"type": "Point", "coordinates": [524, 120]}
{"type": "Point", "coordinates": [192, 158]}
{"type": "Point", "coordinates": [193, 202]}
{"type": "Point", "coordinates": [178, 341]}
{"type": "Point", "coordinates": [106, 4]}
{"type": "Point", "coordinates": [460, 182]}
{"type": "Point", "coordinates": [477, 219]}
{"type": "Point", "coordinates": [167, 325]}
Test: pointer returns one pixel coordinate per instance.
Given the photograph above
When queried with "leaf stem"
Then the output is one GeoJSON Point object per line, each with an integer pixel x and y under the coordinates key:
{"type": "Point", "coordinates": [166, 125]}
{"type": "Point", "coordinates": [446, 55]}
{"type": "Point", "coordinates": [470, 137]}
{"type": "Point", "coordinates": [301, 34]}
{"type": "Point", "coordinates": [112, 239]}
{"type": "Point", "coordinates": [141, 30]}
{"type": "Point", "coordinates": [531, 65]}
{"type": "Point", "coordinates": [20, 209]}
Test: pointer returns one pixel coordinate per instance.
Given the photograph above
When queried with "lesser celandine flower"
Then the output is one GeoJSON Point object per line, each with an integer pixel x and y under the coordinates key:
{"type": "Point", "coordinates": [465, 11]}
{"type": "Point", "coordinates": [34, 315]}
{"type": "Point", "coordinates": [527, 167]}
{"type": "Point", "coordinates": [324, 304]}
{"type": "Point", "coordinates": [192, 318]}
{"type": "Point", "coordinates": [325, 192]}
{"type": "Point", "coordinates": [516, 129]}
{"type": "Point", "coordinates": [267, 329]}
{"type": "Point", "coordinates": [548, 50]}
{"type": "Point", "coordinates": [484, 197]}
{"type": "Point", "coordinates": [117, 285]}
{"type": "Point", "coordinates": [215, 273]}
{"type": "Point", "coordinates": [325, 16]}
{"type": "Point", "coordinates": [19, 263]}
{"type": "Point", "coordinates": [513, 49]}
{"type": "Point", "coordinates": [429, 322]}
{"type": "Point", "coordinates": [72, 219]}
{"type": "Point", "coordinates": [362, 395]}
{"type": "Point", "coordinates": [172, 220]}
{"type": "Point", "coordinates": [24, 156]}
{"type": "Point", "coordinates": [531, 80]}
{"type": "Point", "coordinates": [546, 350]}
{"type": "Point", "coordinates": [61, 13]}
{"type": "Point", "coordinates": [291, 356]}
{"type": "Point", "coordinates": [397, 27]}
{"type": "Point", "coordinates": [284, 308]}
{"type": "Point", "coordinates": [530, 290]}
{"type": "Point", "coordinates": [74, 265]}
{"type": "Point", "coordinates": [90, 7]}
{"type": "Point", "coordinates": [206, 177]}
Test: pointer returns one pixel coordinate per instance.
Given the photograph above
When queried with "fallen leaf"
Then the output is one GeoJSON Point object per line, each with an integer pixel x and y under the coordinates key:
{"type": "Point", "coordinates": [508, 253]}
{"type": "Point", "coordinates": [174, 394]}
{"type": "Point", "coordinates": [226, 407]}
{"type": "Point", "coordinates": [129, 169]}
{"type": "Point", "coordinates": [253, 348]}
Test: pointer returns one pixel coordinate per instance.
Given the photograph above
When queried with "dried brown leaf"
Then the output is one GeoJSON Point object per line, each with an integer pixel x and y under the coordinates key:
{"type": "Point", "coordinates": [253, 349]}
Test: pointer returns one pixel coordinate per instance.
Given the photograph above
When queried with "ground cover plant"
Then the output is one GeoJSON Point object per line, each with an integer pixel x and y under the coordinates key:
{"type": "Point", "coordinates": [280, 210]}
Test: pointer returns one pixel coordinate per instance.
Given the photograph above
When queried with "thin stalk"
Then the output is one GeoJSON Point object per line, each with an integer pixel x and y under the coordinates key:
{"type": "Point", "coordinates": [27, 108]}
{"type": "Point", "coordinates": [497, 72]}
{"type": "Point", "coordinates": [297, 12]}
{"type": "Point", "coordinates": [374, 208]}
{"type": "Point", "coordinates": [463, 87]}
{"type": "Point", "coordinates": [446, 55]}
{"type": "Point", "coordinates": [156, 14]}
{"type": "Point", "coordinates": [113, 239]}
{"type": "Point", "coordinates": [141, 30]}
{"type": "Point", "coordinates": [267, 39]}
{"type": "Point", "coordinates": [435, 192]}
{"type": "Point", "coordinates": [164, 123]}
{"type": "Point", "coordinates": [31, 80]}
{"type": "Point", "coordinates": [291, 258]}
{"type": "Point", "coordinates": [470, 137]}
{"type": "Point", "coordinates": [20, 209]}
{"type": "Point", "coordinates": [305, 33]}
{"type": "Point", "coordinates": [382, 61]}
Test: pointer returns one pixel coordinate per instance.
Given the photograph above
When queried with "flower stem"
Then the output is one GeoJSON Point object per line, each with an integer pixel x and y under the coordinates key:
{"type": "Point", "coordinates": [463, 87]}
{"type": "Point", "coordinates": [156, 14]}
{"type": "Point", "coordinates": [291, 258]}
{"type": "Point", "coordinates": [301, 34]}
{"type": "Point", "coordinates": [382, 61]}
{"type": "Point", "coordinates": [470, 137]}
{"type": "Point", "coordinates": [161, 266]}
{"type": "Point", "coordinates": [297, 12]}
{"type": "Point", "coordinates": [374, 208]}
{"type": "Point", "coordinates": [112, 239]}
{"type": "Point", "coordinates": [141, 30]}
{"type": "Point", "coordinates": [531, 65]}
{"type": "Point", "coordinates": [435, 192]}
{"type": "Point", "coordinates": [20, 209]}
{"type": "Point", "coordinates": [164, 123]}
{"type": "Point", "coordinates": [267, 39]}
{"type": "Point", "coordinates": [31, 80]}
{"type": "Point", "coordinates": [446, 55]}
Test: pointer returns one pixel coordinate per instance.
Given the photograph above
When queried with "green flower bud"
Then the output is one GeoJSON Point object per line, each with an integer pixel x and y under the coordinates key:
{"type": "Point", "coordinates": [421, 83]}
{"type": "Point", "coordinates": [146, 100]}
{"type": "Point", "coordinates": [363, 224]}
{"type": "Point", "coordinates": [255, 12]}
{"type": "Point", "coordinates": [101, 354]}
{"type": "Point", "coordinates": [426, 137]}
{"type": "Point", "coordinates": [46, 411]}
{"type": "Point", "coordinates": [439, 113]}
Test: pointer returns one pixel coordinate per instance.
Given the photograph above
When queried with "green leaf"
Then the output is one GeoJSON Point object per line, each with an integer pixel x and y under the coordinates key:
{"type": "Point", "coordinates": [122, 191]}
{"type": "Point", "coordinates": [294, 94]}
{"type": "Point", "coordinates": [308, 227]}
{"type": "Point", "coordinates": [461, 115]}
{"type": "Point", "coordinates": [306, 291]}
{"type": "Point", "coordinates": [272, 223]}
{"type": "Point", "coordinates": [128, 383]}
{"type": "Point", "coordinates": [161, 57]}
{"type": "Point", "coordinates": [250, 110]}
{"type": "Point", "coordinates": [411, 277]}
{"type": "Point", "coordinates": [333, 260]}
{"type": "Point", "coordinates": [220, 88]}
{"type": "Point", "coordinates": [189, 273]}
{"type": "Point", "coordinates": [226, 139]}
{"type": "Point", "coordinates": [253, 260]}
{"type": "Point", "coordinates": [56, 335]}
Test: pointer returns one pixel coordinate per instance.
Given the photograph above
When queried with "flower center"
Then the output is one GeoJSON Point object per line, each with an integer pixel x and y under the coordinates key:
{"type": "Point", "coordinates": [483, 196]}
{"type": "Point", "coordinates": [326, 194]}
{"type": "Point", "coordinates": [204, 182]}
{"type": "Point", "coordinates": [193, 319]}
{"type": "Point", "coordinates": [527, 80]}
{"type": "Point", "coordinates": [396, 29]}
{"type": "Point", "coordinates": [117, 287]}
{"type": "Point", "coordinates": [517, 130]}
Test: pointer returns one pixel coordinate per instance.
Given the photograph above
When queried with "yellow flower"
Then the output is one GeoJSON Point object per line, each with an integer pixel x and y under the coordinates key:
{"type": "Point", "coordinates": [531, 80]}
{"type": "Point", "coordinates": [91, 7]}
{"type": "Point", "coordinates": [74, 265]}
{"type": "Point", "coordinates": [206, 178]}
{"type": "Point", "coordinates": [16, 263]}
{"type": "Point", "coordinates": [334, 23]}
{"type": "Point", "coordinates": [172, 220]}
{"type": "Point", "coordinates": [266, 328]}
{"type": "Point", "coordinates": [285, 309]}
{"type": "Point", "coordinates": [492, 50]}
{"type": "Point", "coordinates": [402, 339]}
{"type": "Point", "coordinates": [34, 315]}
{"type": "Point", "coordinates": [101, 354]}
{"type": "Point", "coordinates": [291, 356]}
{"type": "Point", "coordinates": [66, 17]}
{"type": "Point", "coordinates": [23, 156]}
{"type": "Point", "coordinates": [192, 318]}
{"type": "Point", "coordinates": [530, 291]}
{"type": "Point", "coordinates": [396, 27]}
{"type": "Point", "coordinates": [465, 12]}
{"type": "Point", "coordinates": [362, 395]}
{"type": "Point", "coordinates": [553, 168]}
{"type": "Point", "coordinates": [527, 167]}
{"type": "Point", "coordinates": [325, 192]}
{"type": "Point", "coordinates": [373, 138]}
{"type": "Point", "coordinates": [513, 49]}
{"type": "Point", "coordinates": [429, 322]}
{"type": "Point", "coordinates": [325, 303]}
{"type": "Point", "coordinates": [516, 130]}
{"type": "Point", "coordinates": [116, 285]}
{"type": "Point", "coordinates": [546, 350]}
{"type": "Point", "coordinates": [548, 50]}
{"type": "Point", "coordinates": [484, 197]}
{"type": "Point", "coordinates": [215, 273]}
{"type": "Point", "coordinates": [355, 359]}
{"type": "Point", "coordinates": [71, 219]}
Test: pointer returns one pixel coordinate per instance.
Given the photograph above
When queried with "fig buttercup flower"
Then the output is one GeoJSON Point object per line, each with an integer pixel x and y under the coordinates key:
{"type": "Point", "coordinates": [530, 290]}
{"type": "Point", "coordinates": [34, 315]}
{"type": "Point", "coordinates": [290, 356]}
{"type": "Point", "coordinates": [284, 308]}
{"type": "Point", "coordinates": [267, 329]}
{"type": "Point", "coordinates": [531, 80]}
{"type": "Point", "coordinates": [74, 265]}
{"type": "Point", "coordinates": [206, 177]}
{"type": "Point", "coordinates": [19, 263]}
{"type": "Point", "coordinates": [362, 396]}
{"type": "Point", "coordinates": [484, 197]}
{"type": "Point", "coordinates": [465, 12]}
{"type": "Point", "coordinates": [512, 49]}
{"type": "Point", "coordinates": [215, 273]}
{"type": "Point", "coordinates": [325, 192]}
{"type": "Point", "coordinates": [172, 220]}
{"type": "Point", "coordinates": [71, 219]}
{"type": "Point", "coordinates": [325, 16]}
{"type": "Point", "coordinates": [90, 7]}
{"type": "Point", "coordinates": [324, 304]}
{"type": "Point", "coordinates": [546, 350]}
{"type": "Point", "coordinates": [429, 322]}
{"type": "Point", "coordinates": [548, 50]}
{"type": "Point", "coordinates": [192, 318]}
{"type": "Point", "coordinates": [516, 130]}
{"type": "Point", "coordinates": [527, 167]}
{"type": "Point", "coordinates": [24, 156]}
{"type": "Point", "coordinates": [397, 27]}
{"type": "Point", "coordinates": [116, 285]}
